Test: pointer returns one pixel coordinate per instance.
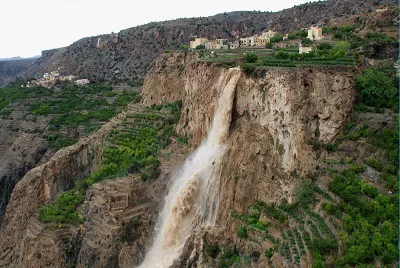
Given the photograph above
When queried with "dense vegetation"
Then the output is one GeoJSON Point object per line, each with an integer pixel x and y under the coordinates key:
{"type": "Point", "coordinates": [348, 33]}
{"type": "Point", "coordinates": [353, 221]}
{"type": "Point", "coordinates": [131, 149]}
{"type": "Point", "coordinates": [68, 108]}
{"type": "Point", "coordinates": [337, 54]}
{"type": "Point", "coordinates": [377, 87]}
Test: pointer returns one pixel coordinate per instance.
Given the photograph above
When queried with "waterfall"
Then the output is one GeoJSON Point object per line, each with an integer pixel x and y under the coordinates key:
{"type": "Point", "coordinates": [192, 199]}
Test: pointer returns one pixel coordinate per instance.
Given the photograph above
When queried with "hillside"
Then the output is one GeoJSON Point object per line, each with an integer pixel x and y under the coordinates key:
{"type": "Point", "coordinates": [126, 56]}
{"type": "Point", "coordinates": [12, 68]}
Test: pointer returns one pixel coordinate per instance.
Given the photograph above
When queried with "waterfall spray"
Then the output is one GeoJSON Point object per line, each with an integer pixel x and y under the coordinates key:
{"type": "Point", "coordinates": [192, 199]}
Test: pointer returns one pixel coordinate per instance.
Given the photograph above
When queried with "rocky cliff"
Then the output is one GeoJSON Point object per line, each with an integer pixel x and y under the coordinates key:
{"type": "Point", "coordinates": [119, 213]}
{"type": "Point", "coordinates": [278, 113]}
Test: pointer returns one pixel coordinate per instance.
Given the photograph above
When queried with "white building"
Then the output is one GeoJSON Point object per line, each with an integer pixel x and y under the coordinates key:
{"type": "Point", "coordinates": [315, 33]}
{"type": "Point", "coordinates": [197, 42]}
{"type": "Point", "coordinates": [81, 82]}
{"type": "Point", "coordinates": [304, 49]}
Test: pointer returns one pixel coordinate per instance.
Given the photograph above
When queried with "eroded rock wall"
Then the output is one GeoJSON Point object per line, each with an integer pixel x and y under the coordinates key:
{"type": "Point", "coordinates": [23, 241]}
{"type": "Point", "coordinates": [119, 213]}
{"type": "Point", "coordinates": [294, 106]}
{"type": "Point", "coordinates": [278, 114]}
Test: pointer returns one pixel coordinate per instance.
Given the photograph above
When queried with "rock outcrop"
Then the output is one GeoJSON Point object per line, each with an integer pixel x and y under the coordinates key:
{"type": "Point", "coordinates": [279, 114]}
{"type": "Point", "coordinates": [120, 213]}
{"type": "Point", "coordinates": [22, 235]}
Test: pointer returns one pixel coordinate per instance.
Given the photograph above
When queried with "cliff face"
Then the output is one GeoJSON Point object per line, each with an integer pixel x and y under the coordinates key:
{"type": "Point", "coordinates": [277, 116]}
{"type": "Point", "coordinates": [24, 240]}
{"type": "Point", "coordinates": [119, 213]}
{"type": "Point", "coordinates": [294, 105]}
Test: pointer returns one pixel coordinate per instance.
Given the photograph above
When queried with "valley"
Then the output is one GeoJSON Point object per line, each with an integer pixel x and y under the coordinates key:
{"type": "Point", "coordinates": [258, 156]}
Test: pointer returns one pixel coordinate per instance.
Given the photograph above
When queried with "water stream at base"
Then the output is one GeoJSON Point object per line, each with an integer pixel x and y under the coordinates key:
{"type": "Point", "coordinates": [192, 200]}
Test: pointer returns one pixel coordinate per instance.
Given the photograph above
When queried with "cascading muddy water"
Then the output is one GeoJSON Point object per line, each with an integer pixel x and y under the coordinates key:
{"type": "Point", "coordinates": [192, 199]}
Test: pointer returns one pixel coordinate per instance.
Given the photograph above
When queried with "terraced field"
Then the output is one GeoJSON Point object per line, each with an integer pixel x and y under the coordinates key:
{"type": "Point", "coordinates": [131, 149]}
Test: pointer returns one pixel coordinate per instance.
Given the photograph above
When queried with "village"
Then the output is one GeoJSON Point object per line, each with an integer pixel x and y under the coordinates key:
{"type": "Point", "coordinates": [255, 41]}
{"type": "Point", "coordinates": [51, 79]}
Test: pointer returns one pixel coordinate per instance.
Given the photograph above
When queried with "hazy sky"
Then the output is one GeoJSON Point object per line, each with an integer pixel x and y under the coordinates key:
{"type": "Point", "coordinates": [29, 26]}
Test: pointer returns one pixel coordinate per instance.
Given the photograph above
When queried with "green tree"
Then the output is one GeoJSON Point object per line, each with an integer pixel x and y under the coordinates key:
{"type": "Point", "coordinates": [375, 88]}
{"type": "Point", "coordinates": [305, 193]}
{"type": "Point", "coordinates": [306, 41]}
{"type": "Point", "coordinates": [251, 58]}
{"type": "Point", "coordinates": [340, 49]}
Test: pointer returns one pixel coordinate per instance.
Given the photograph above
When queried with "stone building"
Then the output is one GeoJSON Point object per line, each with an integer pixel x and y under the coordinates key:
{"type": "Point", "coordinates": [304, 49]}
{"type": "Point", "coordinates": [197, 42]}
{"type": "Point", "coordinates": [234, 44]}
{"type": "Point", "coordinates": [244, 42]}
{"type": "Point", "coordinates": [247, 41]}
{"type": "Point", "coordinates": [286, 37]}
{"type": "Point", "coordinates": [261, 41]}
{"type": "Point", "coordinates": [82, 82]}
{"type": "Point", "coordinates": [315, 33]}
{"type": "Point", "coordinates": [217, 44]}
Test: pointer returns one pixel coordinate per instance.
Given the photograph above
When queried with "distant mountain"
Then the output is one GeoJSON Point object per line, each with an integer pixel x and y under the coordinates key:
{"type": "Point", "coordinates": [13, 58]}
{"type": "Point", "coordinates": [126, 55]}
{"type": "Point", "coordinates": [13, 68]}
{"type": "Point", "coordinates": [19, 58]}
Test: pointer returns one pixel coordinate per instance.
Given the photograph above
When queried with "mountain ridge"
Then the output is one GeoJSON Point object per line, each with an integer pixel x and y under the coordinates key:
{"type": "Point", "coordinates": [128, 54]}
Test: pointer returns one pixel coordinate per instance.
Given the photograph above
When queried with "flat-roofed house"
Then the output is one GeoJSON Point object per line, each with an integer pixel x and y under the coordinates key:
{"type": "Point", "coordinates": [261, 41]}
{"type": "Point", "coordinates": [315, 33]}
{"type": "Point", "coordinates": [197, 42]}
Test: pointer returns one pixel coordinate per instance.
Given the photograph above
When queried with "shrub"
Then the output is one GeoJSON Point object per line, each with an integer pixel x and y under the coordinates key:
{"type": "Point", "coordinates": [64, 208]}
{"type": "Point", "coordinates": [269, 45]}
{"type": "Point", "coordinates": [306, 41]}
{"type": "Point", "coordinates": [298, 34]}
{"type": "Point", "coordinates": [330, 208]}
{"type": "Point", "coordinates": [356, 168]}
{"type": "Point", "coordinates": [229, 258]}
{"type": "Point", "coordinates": [136, 83]}
{"type": "Point", "coordinates": [380, 38]}
{"type": "Point", "coordinates": [340, 49]}
{"type": "Point", "coordinates": [200, 47]}
{"type": "Point", "coordinates": [269, 253]}
{"type": "Point", "coordinates": [129, 231]}
{"type": "Point", "coordinates": [390, 181]}
{"type": "Point", "coordinates": [248, 68]}
{"type": "Point", "coordinates": [375, 163]}
{"type": "Point", "coordinates": [324, 246]}
{"type": "Point", "coordinates": [324, 46]}
{"type": "Point", "coordinates": [331, 147]}
{"type": "Point", "coordinates": [250, 58]}
{"type": "Point", "coordinates": [242, 232]}
{"type": "Point", "coordinates": [281, 55]}
{"type": "Point", "coordinates": [305, 193]}
{"type": "Point", "coordinates": [376, 88]}
{"type": "Point", "coordinates": [212, 250]}
{"type": "Point", "coordinates": [277, 38]}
